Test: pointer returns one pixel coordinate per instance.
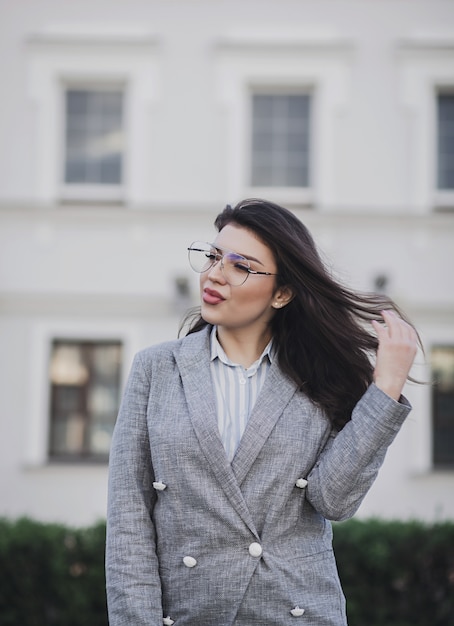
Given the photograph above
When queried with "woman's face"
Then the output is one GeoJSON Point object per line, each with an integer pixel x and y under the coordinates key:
{"type": "Point", "coordinates": [250, 305]}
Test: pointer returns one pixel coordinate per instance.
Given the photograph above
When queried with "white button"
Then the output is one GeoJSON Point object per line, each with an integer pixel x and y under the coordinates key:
{"type": "Point", "coordinates": [242, 381]}
{"type": "Point", "coordinates": [301, 483]}
{"type": "Point", "coordinates": [167, 621]}
{"type": "Point", "coordinates": [297, 612]}
{"type": "Point", "coordinates": [189, 561]}
{"type": "Point", "coordinates": [159, 486]}
{"type": "Point", "coordinates": [255, 549]}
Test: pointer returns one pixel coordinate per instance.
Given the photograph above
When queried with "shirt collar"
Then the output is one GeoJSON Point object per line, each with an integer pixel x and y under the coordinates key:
{"type": "Point", "coordinates": [217, 351]}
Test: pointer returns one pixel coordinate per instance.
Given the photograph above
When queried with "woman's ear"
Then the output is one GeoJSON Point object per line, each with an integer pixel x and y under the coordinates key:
{"type": "Point", "coordinates": [282, 296]}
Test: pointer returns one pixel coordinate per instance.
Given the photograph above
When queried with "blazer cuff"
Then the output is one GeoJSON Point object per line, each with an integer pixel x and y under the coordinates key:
{"type": "Point", "coordinates": [384, 410]}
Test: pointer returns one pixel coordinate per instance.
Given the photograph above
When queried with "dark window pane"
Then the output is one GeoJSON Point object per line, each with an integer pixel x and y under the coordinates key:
{"type": "Point", "coordinates": [76, 103]}
{"type": "Point", "coordinates": [280, 140]}
{"type": "Point", "coordinates": [85, 388]}
{"type": "Point", "coordinates": [94, 137]}
{"type": "Point", "coordinates": [445, 112]}
{"type": "Point", "coordinates": [443, 406]}
{"type": "Point", "coordinates": [110, 169]}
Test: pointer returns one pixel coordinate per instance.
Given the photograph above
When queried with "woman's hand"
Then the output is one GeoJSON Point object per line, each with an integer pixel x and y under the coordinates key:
{"type": "Point", "coordinates": [397, 347]}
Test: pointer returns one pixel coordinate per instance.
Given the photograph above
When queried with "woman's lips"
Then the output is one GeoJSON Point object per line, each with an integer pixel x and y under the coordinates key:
{"type": "Point", "coordinates": [212, 297]}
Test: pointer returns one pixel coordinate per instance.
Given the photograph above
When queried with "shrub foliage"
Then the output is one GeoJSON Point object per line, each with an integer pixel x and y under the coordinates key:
{"type": "Point", "coordinates": [396, 573]}
{"type": "Point", "coordinates": [51, 575]}
{"type": "Point", "coordinates": [393, 573]}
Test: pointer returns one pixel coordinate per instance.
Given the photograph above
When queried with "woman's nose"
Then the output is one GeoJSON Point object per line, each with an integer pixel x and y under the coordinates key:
{"type": "Point", "coordinates": [215, 272]}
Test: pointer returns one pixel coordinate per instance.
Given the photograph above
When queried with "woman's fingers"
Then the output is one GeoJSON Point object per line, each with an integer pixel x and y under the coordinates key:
{"type": "Point", "coordinates": [397, 347]}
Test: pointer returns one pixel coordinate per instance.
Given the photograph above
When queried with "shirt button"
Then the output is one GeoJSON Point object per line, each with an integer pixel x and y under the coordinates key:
{"type": "Point", "coordinates": [159, 485]}
{"type": "Point", "coordinates": [297, 612]}
{"type": "Point", "coordinates": [242, 381]}
{"type": "Point", "coordinates": [189, 561]}
{"type": "Point", "coordinates": [301, 483]}
{"type": "Point", "coordinates": [168, 621]}
{"type": "Point", "coordinates": [255, 549]}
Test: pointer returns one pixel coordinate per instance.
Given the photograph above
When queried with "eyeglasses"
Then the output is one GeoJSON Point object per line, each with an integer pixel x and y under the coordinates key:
{"type": "Point", "coordinates": [235, 268]}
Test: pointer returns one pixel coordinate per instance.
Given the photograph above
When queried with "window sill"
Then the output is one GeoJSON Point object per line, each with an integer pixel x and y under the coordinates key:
{"type": "Point", "coordinates": [444, 201]}
{"type": "Point", "coordinates": [77, 460]}
{"type": "Point", "coordinates": [92, 194]}
{"type": "Point", "coordinates": [433, 472]}
{"type": "Point", "coordinates": [50, 464]}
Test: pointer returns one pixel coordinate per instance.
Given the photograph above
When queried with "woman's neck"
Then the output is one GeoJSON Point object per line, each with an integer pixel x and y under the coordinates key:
{"type": "Point", "coordinates": [243, 347]}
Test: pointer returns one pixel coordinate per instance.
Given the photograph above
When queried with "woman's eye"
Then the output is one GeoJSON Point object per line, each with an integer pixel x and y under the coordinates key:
{"type": "Point", "coordinates": [241, 267]}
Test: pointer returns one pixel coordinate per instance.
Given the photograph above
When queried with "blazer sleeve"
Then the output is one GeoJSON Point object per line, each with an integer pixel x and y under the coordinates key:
{"type": "Point", "coordinates": [132, 578]}
{"type": "Point", "coordinates": [351, 458]}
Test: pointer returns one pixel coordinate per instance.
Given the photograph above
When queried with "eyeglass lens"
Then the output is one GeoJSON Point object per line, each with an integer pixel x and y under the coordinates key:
{"type": "Point", "coordinates": [234, 267]}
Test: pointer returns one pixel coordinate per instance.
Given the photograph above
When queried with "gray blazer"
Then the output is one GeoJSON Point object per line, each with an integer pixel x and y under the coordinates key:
{"type": "Point", "coordinates": [194, 540]}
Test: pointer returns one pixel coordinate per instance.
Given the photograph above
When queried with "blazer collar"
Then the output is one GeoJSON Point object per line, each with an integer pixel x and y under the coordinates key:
{"type": "Point", "coordinates": [276, 393]}
{"type": "Point", "coordinates": [193, 358]}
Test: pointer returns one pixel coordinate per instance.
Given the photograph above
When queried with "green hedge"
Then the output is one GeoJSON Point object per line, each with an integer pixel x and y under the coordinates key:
{"type": "Point", "coordinates": [396, 573]}
{"type": "Point", "coordinates": [51, 575]}
{"type": "Point", "coordinates": [393, 573]}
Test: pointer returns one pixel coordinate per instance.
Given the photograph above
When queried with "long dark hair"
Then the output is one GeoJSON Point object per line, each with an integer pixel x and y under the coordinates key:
{"type": "Point", "coordinates": [322, 339]}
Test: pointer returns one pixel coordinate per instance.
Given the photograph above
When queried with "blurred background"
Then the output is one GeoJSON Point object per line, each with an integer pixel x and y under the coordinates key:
{"type": "Point", "coordinates": [127, 125]}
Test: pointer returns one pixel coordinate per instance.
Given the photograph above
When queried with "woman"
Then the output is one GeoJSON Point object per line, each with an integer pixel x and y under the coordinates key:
{"type": "Point", "coordinates": [235, 444]}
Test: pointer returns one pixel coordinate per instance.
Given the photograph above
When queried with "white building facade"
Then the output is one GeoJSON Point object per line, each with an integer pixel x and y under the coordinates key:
{"type": "Point", "coordinates": [126, 128]}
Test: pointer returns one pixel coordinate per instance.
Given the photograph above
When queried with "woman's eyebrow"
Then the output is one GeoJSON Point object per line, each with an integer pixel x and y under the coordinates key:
{"type": "Point", "coordinates": [249, 258]}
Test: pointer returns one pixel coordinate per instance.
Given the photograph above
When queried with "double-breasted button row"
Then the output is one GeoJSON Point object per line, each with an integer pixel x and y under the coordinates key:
{"type": "Point", "coordinates": [255, 549]}
{"type": "Point", "coordinates": [296, 612]}
{"type": "Point", "coordinates": [301, 483]}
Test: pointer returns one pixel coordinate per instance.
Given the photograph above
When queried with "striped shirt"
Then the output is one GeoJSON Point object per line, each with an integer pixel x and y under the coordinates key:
{"type": "Point", "coordinates": [236, 390]}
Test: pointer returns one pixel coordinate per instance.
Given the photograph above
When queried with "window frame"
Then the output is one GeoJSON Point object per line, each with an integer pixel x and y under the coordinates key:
{"type": "Point", "coordinates": [35, 452]}
{"type": "Point", "coordinates": [60, 56]}
{"type": "Point", "coordinates": [425, 69]}
{"type": "Point", "coordinates": [287, 190]}
{"type": "Point", "coordinates": [320, 63]}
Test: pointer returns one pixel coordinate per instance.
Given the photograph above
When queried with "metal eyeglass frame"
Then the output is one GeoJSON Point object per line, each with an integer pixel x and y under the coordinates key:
{"type": "Point", "coordinates": [220, 257]}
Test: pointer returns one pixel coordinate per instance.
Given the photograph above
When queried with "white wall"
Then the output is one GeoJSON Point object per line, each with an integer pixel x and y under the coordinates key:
{"type": "Point", "coordinates": [93, 271]}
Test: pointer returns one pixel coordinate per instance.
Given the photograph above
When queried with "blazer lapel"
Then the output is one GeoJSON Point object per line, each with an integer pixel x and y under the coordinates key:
{"type": "Point", "coordinates": [275, 395]}
{"type": "Point", "coordinates": [193, 359]}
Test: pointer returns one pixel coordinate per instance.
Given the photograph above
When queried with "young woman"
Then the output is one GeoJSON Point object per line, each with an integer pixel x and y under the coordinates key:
{"type": "Point", "coordinates": [236, 444]}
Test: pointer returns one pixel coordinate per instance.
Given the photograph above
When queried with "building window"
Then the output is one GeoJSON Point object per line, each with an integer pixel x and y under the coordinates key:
{"type": "Point", "coordinates": [280, 140]}
{"type": "Point", "coordinates": [85, 391]}
{"type": "Point", "coordinates": [443, 406]}
{"type": "Point", "coordinates": [445, 140]}
{"type": "Point", "coordinates": [94, 138]}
